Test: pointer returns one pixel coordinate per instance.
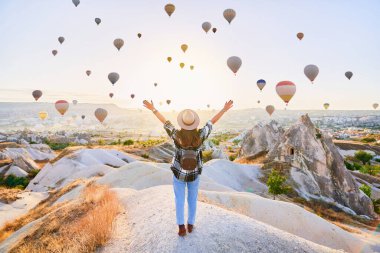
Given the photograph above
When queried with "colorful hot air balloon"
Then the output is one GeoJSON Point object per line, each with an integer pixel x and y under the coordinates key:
{"type": "Point", "coordinates": [98, 21]}
{"type": "Point", "coordinates": [62, 106]}
{"type": "Point", "coordinates": [101, 114]}
{"type": "Point", "coordinates": [229, 15]}
{"type": "Point", "coordinates": [234, 63]}
{"type": "Point", "coordinates": [75, 102]}
{"type": "Point", "coordinates": [37, 94]}
{"type": "Point", "coordinates": [214, 30]}
{"type": "Point", "coordinates": [182, 65]}
{"type": "Point", "coordinates": [349, 74]}
{"type": "Point", "coordinates": [269, 109]}
{"type": "Point", "coordinates": [169, 59]}
{"type": "Point", "coordinates": [311, 71]}
{"type": "Point", "coordinates": [169, 8]}
{"type": "Point", "coordinates": [113, 77]}
{"type": "Point", "coordinates": [61, 39]}
{"type": "Point", "coordinates": [76, 2]}
{"type": "Point", "coordinates": [83, 116]}
{"type": "Point", "coordinates": [139, 35]}
{"type": "Point", "coordinates": [111, 95]}
{"type": "Point", "coordinates": [168, 101]}
{"type": "Point", "coordinates": [300, 36]}
{"type": "Point", "coordinates": [118, 43]}
{"type": "Point", "coordinates": [286, 90]}
{"type": "Point", "coordinates": [88, 72]}
{"type": "Point", "coordinates": [42, 115]}
{"type": "Point", "coordinates": [261, 84]}
{"type": "Point", "coordinates": [326, 106]}
{"type": "Point", "coordinates": [54, 52]}
{"type": "Point", "coordinates": [375, 105]}
{"type": "Point", "coordinates": [191, 67]}
{"type": "Point", "coordinates": [184, 47]}
{"type": "Point", "coordinates": [206, 26]}
{"type": "Point", "coordinates": [132, 96]}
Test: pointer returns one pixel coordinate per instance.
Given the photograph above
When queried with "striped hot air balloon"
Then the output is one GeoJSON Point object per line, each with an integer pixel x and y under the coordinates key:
{"type": "Point", "coordinates": [286, 90]}
{"type": "Point", "coordinates": [62, 106]}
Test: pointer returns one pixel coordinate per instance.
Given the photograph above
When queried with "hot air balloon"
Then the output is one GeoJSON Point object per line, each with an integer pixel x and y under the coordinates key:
{"type": "Point", "coordinates": [326, 106]}
{"type": "Point", "coordinates": [269, 109]}
{"type": "Point", "coordinates": [83, 116]}
{"type": "Point", "coordinates": [169, 8]}
{"type": "Point", "coordinates": [155, 84]}
{"type": "Point", "coordinates": [54, 52]}
{"type": "Point", "coordinates": [169, 59]}
{"type": "Point", "coordinates": [75, 102]}
{"type": "Point", "coordinates": [191, 67]}
{"type": "Point", "coordinates": [234, 63]}
{"type": "Point", "coordinates": [168, 101]}
{"type": "Point", "coordinates": [101, 114]}
{"type": "Point", "coordinates": [76, 2]}
{"type": "Point", "coordinates": [42, 115]}
{"type": "Point", "coordinates": [111, 95]}
{"type": "Point", "coordinates": [375, 105]}
{"type": "Point", "coordinates": [229, 15]}
{"type": "Point", "coordinates": [300, 36]}
{"type": "Point", "coordinates": [118, 43]}
{"type": "Point", "coordinates": [139, 35]}
{"type": "Point", "coordinates": [214, 30]}
{"type": "Point", "coordinates": [261, 84]}
{"type": "Point", "coordinates": [37, 94]}
{"type": "Point", "coordinates": [311, 71]}
{"type": "Point", "coordinates": [349, 74]}
{"type": "Point", "coordinates": [208, 106]}
{"type": "Point", "coordinates": [258, 101]}
{"type": "Point", "coordinates": [286, 90]}
{"type": "Point", "coordinates": [62, 106]}
{"type": "Point", "coordinates": [113, 77]}
{"type": "Point", "coordinates": [61, 39]}
{"type": "Point", "coordinates": [182, 65]}
{"type": "Point", "coordinates": [88, 72]}
{"type": "Point", "coordinates": [132, 96]}
{"type": "Point", "coordinates": [206, 26]}
{"type": "Point", "coordinates": [184, 47]}
{"type": "Point", "coordinates": [98, 21]}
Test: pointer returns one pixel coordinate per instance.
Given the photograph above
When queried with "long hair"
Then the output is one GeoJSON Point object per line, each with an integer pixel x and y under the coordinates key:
{"type": "Point", "coordinates": [188, 138]}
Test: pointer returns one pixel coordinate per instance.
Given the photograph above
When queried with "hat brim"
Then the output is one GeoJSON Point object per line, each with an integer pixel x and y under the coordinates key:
{"type": "Point", "coordinates": [188, 127]}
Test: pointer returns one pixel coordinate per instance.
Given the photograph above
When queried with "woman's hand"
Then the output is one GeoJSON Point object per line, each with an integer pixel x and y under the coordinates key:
{"type": "Point", "coordinates": [148, 105]}
{"type": "Point", "coordinates": [228, 105]}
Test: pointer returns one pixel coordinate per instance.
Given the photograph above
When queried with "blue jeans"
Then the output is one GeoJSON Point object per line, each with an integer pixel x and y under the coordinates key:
{"type": "Point", "coordinates": [192, 195]}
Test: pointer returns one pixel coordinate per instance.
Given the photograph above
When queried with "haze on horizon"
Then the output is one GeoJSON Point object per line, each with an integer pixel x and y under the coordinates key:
{"type": "Point", "coordinates": [339, 36]}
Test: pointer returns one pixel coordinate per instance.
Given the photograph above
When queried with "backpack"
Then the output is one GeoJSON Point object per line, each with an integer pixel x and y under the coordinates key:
{"type": "Point", "coordinates": [189, 159]}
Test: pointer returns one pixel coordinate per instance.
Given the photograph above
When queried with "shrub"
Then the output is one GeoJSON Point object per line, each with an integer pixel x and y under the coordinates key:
{"type": "Point", "coordinates": [128, 142]}
{"type": "Point", "coordinates": [377, 160]}
{"type": "Point", "coordinates": [366, 189]}
{"type": "Point", "coordinates": [357, 166]}
{"type": "Point", "coordinates": [207, 155]}
{"type": "Point", "coordinates": [363, 156]}
{"type": "Point", "coordinates": [101, 142]}
{"type": "Point", "coordinates": [215, 141]}
{"type": "Point", "coordinates": [349, 166]}
{"type": "Point", "coordinates": [376, 205]}
{"type": "Point", "coordinates": [33, 173]}
{"type": "Point", "coordinates": [15, 182]}
{"type": "Point", "coordinates": [232, 157]}
{"type": "Point", "coordinates": [368, 139]}
{"type": "Point", "coordinates": [57, 146]}
{"type": "Point", "coordinates": [318, 135]}
{"type": "Point", "coordinates": [146, 156]}
{"type": "Point", "coordinates": [236, 141]}
{"type": "Point", "coordinates": [372, 170]}
{"type": "Point", "coordinates": [276, 185]}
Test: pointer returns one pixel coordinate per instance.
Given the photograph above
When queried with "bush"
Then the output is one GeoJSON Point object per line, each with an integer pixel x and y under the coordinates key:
{"type": "Point", "coordinates": [33, 173]}
{"type": "Point", "coordinates": [215, 141]}
{"type": "Point", "coordinates": [57, 146]}
{"type": "Point", "coordinates": [101, 142]}
{"type": "Point", "coordinates": [366, 189]}
{"type": "Point", "coordinates": [118, 142]}
{"type": "Point", "coordinates": [368, 139]}
{"type": "Point", "coordinates": [207, 155]}
{"type": "Point", "coordinates": [15, 182]}
{"type": "Point", "coordinates": [349, 166]}
{"type": "Point", "coordinates": [146, 156]}
{"type": "Point", "coordinates": [236, 141]}
{"type": "Point", "coordinates": [372, 170]}
{"type": "Point", "coordinates": [376, 205]}
{"type": "Point", "coordinates": [232, 157]}
{"type": "Point", "coordinates": [276, 185]}
{"type": "Point", "coordinates": [318, 135]}
{"type": "Point", "coordinates": [357, 166]}
{"type": "Point", "coordinates": [128, 142]}
{"type": "Point", "coordinates": [363, 156]}
{"type": "Point", "coordinates": [377, 160]}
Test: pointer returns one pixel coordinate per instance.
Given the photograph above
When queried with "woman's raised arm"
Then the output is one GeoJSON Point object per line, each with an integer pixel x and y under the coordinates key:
{"type": "Point", "coordinates": [226, 107]}
{"type": "Point", "coordinates": [151, 107]}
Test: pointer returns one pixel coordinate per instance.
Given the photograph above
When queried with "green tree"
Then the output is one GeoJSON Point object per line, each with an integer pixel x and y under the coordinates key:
{"type": "Point", "coordinates": [363, 156]}
{"type": "Point", "coordinates": [366, 189]}
{"type": "Point", "coordinates": [276, 185]}
{"type": "Point", "coordinates": [372, 170]}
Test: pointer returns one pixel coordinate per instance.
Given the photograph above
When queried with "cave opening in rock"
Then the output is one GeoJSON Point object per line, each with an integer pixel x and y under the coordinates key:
{"type": "Point", "coordinates": [291, 151]}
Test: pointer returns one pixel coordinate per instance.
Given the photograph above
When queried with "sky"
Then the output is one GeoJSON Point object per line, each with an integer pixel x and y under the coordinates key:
{"type": "Point", "coordinates": [340, 36]}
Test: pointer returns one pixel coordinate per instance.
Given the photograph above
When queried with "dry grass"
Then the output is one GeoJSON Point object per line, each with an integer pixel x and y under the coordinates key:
{"type": "Point", "coordinates": [8, 195]}
{"type": "Point", "coordinates": [79, 226]}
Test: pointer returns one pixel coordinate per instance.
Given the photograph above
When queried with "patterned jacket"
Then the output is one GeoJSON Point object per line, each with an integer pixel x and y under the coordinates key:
{"type": "Point", "coordinates": [179, 173]}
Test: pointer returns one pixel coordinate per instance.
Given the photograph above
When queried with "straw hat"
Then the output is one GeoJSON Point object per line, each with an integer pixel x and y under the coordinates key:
{"type": "Point", "coordinates": [188, 119]}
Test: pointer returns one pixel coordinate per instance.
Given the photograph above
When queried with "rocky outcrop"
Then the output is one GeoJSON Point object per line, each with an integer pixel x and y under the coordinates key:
{"type": "Point", "coordinates": [318, 168]}
{"type": "Point", "coordinates": [261, 138]}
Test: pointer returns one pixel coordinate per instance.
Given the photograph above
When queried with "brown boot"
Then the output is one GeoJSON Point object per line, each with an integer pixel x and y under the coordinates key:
{"type": "Point", "coordinates": [190, 228]}
{"type": "Point", "coordinates": [182, 230]}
